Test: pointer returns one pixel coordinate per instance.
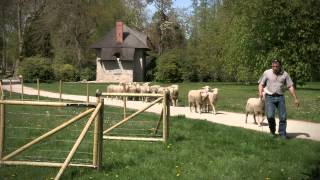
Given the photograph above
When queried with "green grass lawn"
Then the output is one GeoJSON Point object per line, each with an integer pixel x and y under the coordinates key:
{"type": "Point", "coordinates": [195, 150]}
{"type": "Point", "coordinates": [232, 96]}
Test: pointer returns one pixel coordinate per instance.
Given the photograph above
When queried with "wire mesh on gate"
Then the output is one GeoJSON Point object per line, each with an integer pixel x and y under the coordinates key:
{"type": "Point", "coordinates": [25, 123]}
{"type": "Point", "coordinates": [144, 125]}
{"type": "Point", "coordinates": [122, 124]}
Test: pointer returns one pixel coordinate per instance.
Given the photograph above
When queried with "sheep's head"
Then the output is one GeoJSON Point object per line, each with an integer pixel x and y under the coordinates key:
{"type": "Point", "coordinates": [215, 90]}
{"type": "Point", "coordinates": [204, 94]}
{"type": "Point", "coordinates": [175, 86]}
{"type": "Point", "coordinates": [206, 88]}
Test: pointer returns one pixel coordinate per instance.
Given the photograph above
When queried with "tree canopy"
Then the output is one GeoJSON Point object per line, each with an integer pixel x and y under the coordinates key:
{"type": "Point", "coordinates": [218, 40]}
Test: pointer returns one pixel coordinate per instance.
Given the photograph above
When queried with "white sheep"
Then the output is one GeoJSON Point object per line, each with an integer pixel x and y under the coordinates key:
{"type": "Point", "coordinates": [116, 88]}
{"type": "Point", "coordinates": [145, 89]}
{"type": "Point", "coordinates": [256, 107]}
{"type": "Point", "coordinates": [211, 101]}
{"type": "Point", "coordinates": [196, 98]}
{"type": "Point", "coordinates": [132, 88]}
{"type": "Point", "coordinates": [174, 94]}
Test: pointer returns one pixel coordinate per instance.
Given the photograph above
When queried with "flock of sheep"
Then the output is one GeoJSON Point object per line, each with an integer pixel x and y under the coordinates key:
{"type": "Point", "coordinates": [145, 88]}
{"type": "Point", "coordinates": [199, 100]}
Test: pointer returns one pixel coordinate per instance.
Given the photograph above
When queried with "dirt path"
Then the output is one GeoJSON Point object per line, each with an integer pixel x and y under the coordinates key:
{"type": "Point", "coordinates": [295, 128]}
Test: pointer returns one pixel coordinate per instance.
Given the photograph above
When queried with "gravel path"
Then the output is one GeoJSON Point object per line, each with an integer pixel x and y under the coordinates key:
{"type": "Point", "coordinates": [295, 128]}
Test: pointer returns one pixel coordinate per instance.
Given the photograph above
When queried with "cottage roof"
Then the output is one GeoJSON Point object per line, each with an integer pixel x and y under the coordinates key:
{"type": "Point", "coordinates": [131, 39]}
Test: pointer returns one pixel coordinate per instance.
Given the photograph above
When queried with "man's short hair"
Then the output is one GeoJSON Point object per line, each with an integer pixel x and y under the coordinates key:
{"type": "Point", "coordinates": [276, 61]}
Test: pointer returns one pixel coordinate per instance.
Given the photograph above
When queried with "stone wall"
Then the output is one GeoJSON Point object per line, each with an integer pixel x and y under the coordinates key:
{"type": "Point", "coordinates": [117, 70]}
{"type": "Point", "coordinates": [109, 71]}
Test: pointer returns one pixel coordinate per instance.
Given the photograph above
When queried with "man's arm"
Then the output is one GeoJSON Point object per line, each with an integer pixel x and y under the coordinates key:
{"type": "Point", "coordinates": [261, 90]}
{"type": "Point", "coordinates": [293, 93]}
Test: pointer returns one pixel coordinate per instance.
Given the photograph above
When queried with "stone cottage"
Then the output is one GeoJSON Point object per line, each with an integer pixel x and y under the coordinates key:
{"type": "Point", "coordinates": [121, 55]}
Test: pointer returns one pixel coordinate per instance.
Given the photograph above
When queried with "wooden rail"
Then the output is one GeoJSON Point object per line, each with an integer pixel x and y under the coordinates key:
{"type": "Point", "coordinates": [164, 117]}
{"type": "Point", "coordinates": [53, 104]}
{"type": "Point", "coordinates": [96, 117]}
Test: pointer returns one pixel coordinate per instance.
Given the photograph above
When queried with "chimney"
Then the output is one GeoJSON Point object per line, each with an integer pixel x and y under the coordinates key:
{"type": "Point", "coordinates": [119, 32]}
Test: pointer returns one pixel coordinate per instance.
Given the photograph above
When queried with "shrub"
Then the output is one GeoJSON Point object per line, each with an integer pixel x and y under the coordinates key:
{"type": "Point", "coordinates": [66, 72]}
{"type": "Point", "coordinates": [36, 67]}
{"type": "Point", "coordinates": [87, 74]}
{"type": "Point", "coordinates": [169, 67]}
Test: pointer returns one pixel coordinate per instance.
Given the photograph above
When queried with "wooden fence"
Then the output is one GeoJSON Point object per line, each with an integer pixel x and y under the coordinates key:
{"type": "Point", "coordinates": [164, 116]}
{"type": "Point", "coordinates": [96, 117]}
{"type": "Point", "coordinates": [22, 93]}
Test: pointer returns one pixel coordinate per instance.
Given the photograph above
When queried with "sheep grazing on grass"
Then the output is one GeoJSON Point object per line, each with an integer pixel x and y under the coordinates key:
{"type": "Point", "coordinates": [255, 106]}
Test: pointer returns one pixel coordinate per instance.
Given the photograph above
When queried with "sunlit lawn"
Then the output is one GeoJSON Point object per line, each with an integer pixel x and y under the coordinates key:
{"type": "Point", "coordinates": [232, 96]}
{"type": "Point", "coordinates": [195, 150]}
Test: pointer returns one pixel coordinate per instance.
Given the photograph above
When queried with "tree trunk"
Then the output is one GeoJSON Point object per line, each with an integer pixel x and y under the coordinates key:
{"type": "Point", "coordinates": [78, 51]}
{"type": "Point", "coordinates": [19, 59]}
{"type": "Point", "coordinates": [4, 50]}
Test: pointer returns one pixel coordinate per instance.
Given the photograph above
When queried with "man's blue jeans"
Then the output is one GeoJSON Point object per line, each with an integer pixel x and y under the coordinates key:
{"type": "Point", "coordinates": [273, 102]}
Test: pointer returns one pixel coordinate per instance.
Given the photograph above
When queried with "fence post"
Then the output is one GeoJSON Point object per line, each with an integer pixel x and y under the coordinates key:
{"type": "Point", "coordinates": [88, 93]}
{"type": "Point", "coordinates": [165, 116]}
{"type": "Point", "coordinates": [124, 107]}
{"type": "Point", "coordinates": [21, 80]}
{"type": "Point", "coordinates": [10, 82]}
{"type": "Point", "coordinates": [60, 90]}
{"type": "Point", "coordinates": [38, 88]}
{"type": "Point", "coordinates": [98, 134]}
{"type": "Point", "coordinates": [168, 114]}
{"type": "Point", "coordinates": [1, 90]}
{"type": "Point", "coordinates": [2, 125]}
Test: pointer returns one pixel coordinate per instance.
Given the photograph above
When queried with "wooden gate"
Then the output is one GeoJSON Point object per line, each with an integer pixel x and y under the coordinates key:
{"type": "Point", "coordinates": [96, 117]}
{"type": "Point", "coordinates": [164, 116]}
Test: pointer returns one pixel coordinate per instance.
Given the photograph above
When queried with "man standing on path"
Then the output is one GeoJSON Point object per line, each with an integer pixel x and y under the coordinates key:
{"type": "Point", "coordinates": [274, 81]}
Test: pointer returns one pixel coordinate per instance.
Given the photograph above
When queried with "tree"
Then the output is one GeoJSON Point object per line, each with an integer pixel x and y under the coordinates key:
{"type": "Point", "coordinates": [236, 40]}
{"type": "Point", "coordinates": [289, 31]}
{"type": "Point", "coordinates": [135, 15]}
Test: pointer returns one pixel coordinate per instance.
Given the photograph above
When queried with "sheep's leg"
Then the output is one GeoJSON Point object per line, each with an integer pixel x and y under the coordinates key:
{"type": "Point", "coordinates": [247, 117]}
{"type": "Point", "coordinates": [198, 105]}
{"type": "Point", "coordinates": [259, 124]}
{"type": "Point", "coordinates": [254, 118]}
{"type": "Point", "coordinates": [190, 106]}
{"type": "Point", "coordinates": [213, 109]}
{"type": "Point", "coordinates": [260, 119]}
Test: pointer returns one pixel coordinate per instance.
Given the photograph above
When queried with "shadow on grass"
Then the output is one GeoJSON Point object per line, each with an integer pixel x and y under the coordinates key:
{"type": "Point", "coordinates": [294, 135]}
{"type": "Point", "coordinates": [179, 138]}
